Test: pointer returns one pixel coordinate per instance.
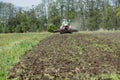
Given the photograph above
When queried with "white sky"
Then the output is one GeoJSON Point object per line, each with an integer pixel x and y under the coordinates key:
{"type": "Point", "coordinates": [23, 3]}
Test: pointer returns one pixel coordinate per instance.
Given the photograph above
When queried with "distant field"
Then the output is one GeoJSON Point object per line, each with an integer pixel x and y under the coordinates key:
{"type": "Point", "coordinates": [12, 46]}
{"type": "Point", "coordinates": [77, 56]}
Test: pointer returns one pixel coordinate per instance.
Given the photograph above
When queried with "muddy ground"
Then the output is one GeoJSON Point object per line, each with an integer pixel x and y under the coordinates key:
{"type": "Point", "coordinates": [78, 56]}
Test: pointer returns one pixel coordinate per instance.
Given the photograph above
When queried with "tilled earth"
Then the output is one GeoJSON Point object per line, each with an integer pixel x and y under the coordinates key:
{"type": "Point", "coordinates": [78, 56]}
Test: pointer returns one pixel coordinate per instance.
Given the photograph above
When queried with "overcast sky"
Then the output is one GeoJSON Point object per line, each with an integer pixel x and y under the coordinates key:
{"type": "Point", "coordinates": [23, 3]}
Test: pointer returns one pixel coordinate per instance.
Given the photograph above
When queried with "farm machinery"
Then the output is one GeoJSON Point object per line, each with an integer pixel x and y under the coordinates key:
{"type": "Point", "coordinates": [65, 28]}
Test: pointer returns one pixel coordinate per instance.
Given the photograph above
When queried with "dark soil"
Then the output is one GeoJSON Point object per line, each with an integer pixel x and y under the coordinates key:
{"type": "Point", "coordinates": [78, 56]}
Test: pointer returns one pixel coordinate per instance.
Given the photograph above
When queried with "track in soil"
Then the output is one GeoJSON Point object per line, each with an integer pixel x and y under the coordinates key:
{"type": "Point", "coordinates": [76, 56]}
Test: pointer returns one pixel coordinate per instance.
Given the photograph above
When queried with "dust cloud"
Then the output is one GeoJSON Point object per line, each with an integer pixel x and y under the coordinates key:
{"type": "Point", "coordinates": [76, 24]}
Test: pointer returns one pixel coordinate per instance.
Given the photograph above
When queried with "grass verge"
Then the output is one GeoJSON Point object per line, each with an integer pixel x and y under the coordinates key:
{"type": "Point", "coordinates": [12, 46]}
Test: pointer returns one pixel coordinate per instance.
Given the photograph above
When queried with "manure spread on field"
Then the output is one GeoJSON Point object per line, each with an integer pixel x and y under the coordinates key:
{"type": "Point", "coordinates": [69, 57]}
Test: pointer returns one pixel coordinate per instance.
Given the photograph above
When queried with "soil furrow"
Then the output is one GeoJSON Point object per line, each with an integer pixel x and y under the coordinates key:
{"type": "Point", "coordinates": [69, 56]}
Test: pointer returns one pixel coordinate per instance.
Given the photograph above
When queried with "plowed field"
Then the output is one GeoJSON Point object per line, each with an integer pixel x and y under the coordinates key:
{"type": "Point", "coordinates": [79, 56]}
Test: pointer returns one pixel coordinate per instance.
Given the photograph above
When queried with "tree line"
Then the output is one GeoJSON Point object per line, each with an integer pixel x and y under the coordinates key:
{"type": "Point", "coordinates": [86, 14]}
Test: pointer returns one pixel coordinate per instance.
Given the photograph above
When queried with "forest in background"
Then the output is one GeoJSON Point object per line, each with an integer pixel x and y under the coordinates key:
{"type": "Point", "coordinates": [85, 15]}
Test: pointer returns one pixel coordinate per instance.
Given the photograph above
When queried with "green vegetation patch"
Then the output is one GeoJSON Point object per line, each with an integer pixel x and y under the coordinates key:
{"type": "Point", "coordinates": [12, 46]}
{"type": "Point", "coordinates": [104, 47]}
